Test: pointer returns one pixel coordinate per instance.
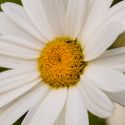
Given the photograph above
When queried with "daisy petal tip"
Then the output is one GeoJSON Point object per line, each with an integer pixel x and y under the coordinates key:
{"type": "Point", "coordinates": [5, 5]}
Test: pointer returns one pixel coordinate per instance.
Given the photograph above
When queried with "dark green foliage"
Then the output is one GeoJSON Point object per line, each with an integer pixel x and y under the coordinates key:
{"type": "Point", "coordinates": [19, 121]}
{"type": "Point", "coordinates": [116, 1]}
{"type": "Point", "coordinates": [95, 120]}
{"type": "Point", "coordinates": [15, 1]}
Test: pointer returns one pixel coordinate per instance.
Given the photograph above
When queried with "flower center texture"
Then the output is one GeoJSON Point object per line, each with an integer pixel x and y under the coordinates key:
{"type": "Point", "coordinates": [61, 62]}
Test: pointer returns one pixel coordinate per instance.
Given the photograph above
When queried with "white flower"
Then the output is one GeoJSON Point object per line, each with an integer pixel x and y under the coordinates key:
{"type": "Point", "coordinates": [59, 93]}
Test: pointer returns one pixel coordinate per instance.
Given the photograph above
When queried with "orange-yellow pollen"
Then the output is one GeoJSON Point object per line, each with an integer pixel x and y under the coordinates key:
{"type": "Point", "coordinates": [61, 62]}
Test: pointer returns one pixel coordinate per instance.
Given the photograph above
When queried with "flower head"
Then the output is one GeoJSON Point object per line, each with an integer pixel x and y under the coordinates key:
{"type": "Point", "coordinates": [59, 64]}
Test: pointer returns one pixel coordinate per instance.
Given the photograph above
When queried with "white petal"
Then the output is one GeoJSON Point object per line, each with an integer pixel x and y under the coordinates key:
{"type": "Point", "coordinates": [95, 100]}
{"type": "Point", "coordinates": [9, 96]}
{"type": "Point", "coordinates": [113, 52]}
{"type": "Point", "coordinates": [10, 28]}
{"type": "Point", "coordinates": [114, 58]}
{"type": "Point", "coordinates": [14, 50]}
{"type": "Point", "coordinates": [74, 17]}
{"type": "Point", "coordinates": [101, 40]}
{"type": "Point", "coordinates": [15, 110]}
{"type": "Point", "coordinates": [75, 114]}
{"type": "Point", "coordinates": [106, 78]}
{"type": "Point", "coordinates": [19, 16]}
{"type": "Point", "coordinates": [10, 73]}
{"type": "Point", "coordinates": [118, 97]}
{"type": "Point", "coordinates": [36, 12]}
{"type": "Point", "coordinates": [34, 109]}
{"type": "Point", "coordinates": [116, 13]}
{"type": "Point", "coordinates": [50, 108]}
{"type": "Point", "coordinates": [61, 119]}
{"type": "Point", "coordinates": [17, 78]}
{"type": "Point", "coordinates": [55, 13]}
{"type": "Point", "coordinates": [21, 42]}
{"type": "Point", "coordinates": [13, 62]}
{"type": "Point", "coordinates": [96, 13]}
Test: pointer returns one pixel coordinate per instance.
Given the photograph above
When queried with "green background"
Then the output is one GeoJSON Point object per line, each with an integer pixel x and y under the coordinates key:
{"type": "Point", "coordinates": [119, 42]}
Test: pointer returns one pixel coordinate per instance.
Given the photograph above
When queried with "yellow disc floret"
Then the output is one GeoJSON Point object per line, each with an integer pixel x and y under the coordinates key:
{"type": "Point", "coordinates": [61, 62]}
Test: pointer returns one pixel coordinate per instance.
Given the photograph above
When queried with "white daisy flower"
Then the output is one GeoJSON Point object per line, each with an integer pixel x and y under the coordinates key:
{"type": "Point", "coordinates": [60, 67]}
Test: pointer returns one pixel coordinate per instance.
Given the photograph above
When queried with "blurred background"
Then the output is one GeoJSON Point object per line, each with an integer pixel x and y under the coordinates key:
{"type": "Point", "coordinates": [119, 114]}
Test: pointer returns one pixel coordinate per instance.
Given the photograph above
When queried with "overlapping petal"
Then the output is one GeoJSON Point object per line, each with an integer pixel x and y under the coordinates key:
{"type": "Point", "coordinates": [95, 100]}
{"type": "Point", "coordinates": [17, 108]}
{"type": "Point", "coordinates": [74, 19]}
{"type": "Point", "coordinates": [101, 40]}
{"type": "Point", "coordinates": [13, 62]}
{"type": "Point", "coordinates": [106, 79]}
{"type": "Point", "coordinates": [19, 16]}
{"type": "Point", "coordinates": [16, 78]}
{"type": "Point", "coordinates": [50, 108]}
{"type": "Point", "coordinates": [114, 58]}
{"type": "Point", "coordinates": [11, 95]}
{"type": "Point", "coordinates": [14, 50]}
{"type": "Point", "coordinates": [9, 28]}
{"type": "Point", "coordinates": [76, 113]}
{"type": "Point", "coordinates": [36, 12]}
{"type": "Point", "coordinates": [97, 11]}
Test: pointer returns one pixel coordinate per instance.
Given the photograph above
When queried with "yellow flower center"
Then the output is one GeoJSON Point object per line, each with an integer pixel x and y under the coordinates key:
{"type": "Point", "coordinates": [61, 62]}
